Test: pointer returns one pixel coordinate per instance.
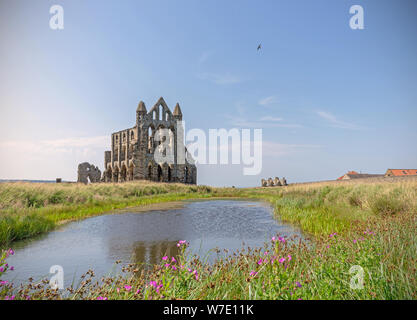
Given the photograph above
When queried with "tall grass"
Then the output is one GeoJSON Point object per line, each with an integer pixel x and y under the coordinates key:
{"type": "Point", "coordinates": [368, 225]}
{"type": "Point", "coordinates": [28, 209]}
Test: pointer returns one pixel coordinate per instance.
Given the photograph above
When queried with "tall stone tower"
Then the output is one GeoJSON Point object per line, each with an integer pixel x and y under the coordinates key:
{"type": "Point", "coordinates": [152, 150]}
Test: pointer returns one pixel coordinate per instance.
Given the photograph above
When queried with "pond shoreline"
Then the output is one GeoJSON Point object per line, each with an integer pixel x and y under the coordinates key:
{"type": "Point", "coordinates": [364, 224]}
{"type": "Point", "coordinates": [30, 209]}
{"type": "Point", "coordinates": [146, 237]}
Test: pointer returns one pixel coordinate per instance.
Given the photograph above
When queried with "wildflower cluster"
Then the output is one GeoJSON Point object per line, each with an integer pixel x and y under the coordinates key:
{"type": "Point", "coordinates": [5, 286]}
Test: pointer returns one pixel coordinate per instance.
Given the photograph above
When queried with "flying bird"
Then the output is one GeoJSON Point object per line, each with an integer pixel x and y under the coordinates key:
{"type": "Point", "coordinates": [259, 47]}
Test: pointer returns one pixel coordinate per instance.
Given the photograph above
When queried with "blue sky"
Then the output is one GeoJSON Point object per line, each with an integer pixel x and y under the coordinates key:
{"type": "Point", "coordinates": [328, 98]}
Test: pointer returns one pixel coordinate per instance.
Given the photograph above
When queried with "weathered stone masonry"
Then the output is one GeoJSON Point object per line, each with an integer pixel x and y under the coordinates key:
{"type": "Point", "coordinates": [132, 150]}
{"type": "Point", "coordinates": [88, 173]}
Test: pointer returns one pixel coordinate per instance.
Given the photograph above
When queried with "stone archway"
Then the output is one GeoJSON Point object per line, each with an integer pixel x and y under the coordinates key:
{"type": "Point", "coordinates": [116, 174]}
{"type": "Point", "coordinates": [186, 174]}
{"type": "Point", "coordinates": [169, 174]}
{"type": "Point", "coordinates": [151, 137]}
{"type": "Point", "coordinates": [123, 174]}
{"type": "Point", "coordinates": [109, 174]}
{"type": "Point", "coordinates": [160, 173]}
{"type": "Point", "coordinates": [130, 173]}
{"type": "Point", "coordinates": [150, 172]}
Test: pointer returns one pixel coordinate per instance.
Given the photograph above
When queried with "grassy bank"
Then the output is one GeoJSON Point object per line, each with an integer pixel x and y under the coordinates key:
{"type": "Point", "coordinates": [29, 209]}
{"type": "Point", "coordinates": [359, 230]}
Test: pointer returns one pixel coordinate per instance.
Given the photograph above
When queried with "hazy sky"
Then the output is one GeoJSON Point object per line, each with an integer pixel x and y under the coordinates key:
{"type": "Point", "coordinates": [328, 98]}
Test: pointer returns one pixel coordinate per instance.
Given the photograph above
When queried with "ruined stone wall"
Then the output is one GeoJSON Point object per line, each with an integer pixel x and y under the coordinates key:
{"type": "Point", "coordinates": [276, 182]}
{"type": "Point", "coordinates": [88, 173]}
{"type": "Point", "coordinates": [132, 153]}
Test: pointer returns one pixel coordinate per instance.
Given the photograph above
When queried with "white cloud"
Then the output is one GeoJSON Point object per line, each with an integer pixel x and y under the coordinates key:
{"type": "Point", "coordinates": [268, 101]}
{"type": "Point", "coordinates": [221, 79]}
{"type": "Point", "coordinates": [280, 149]}
{"type": "Point", "coordinates": [99, 141]}
{"type": "Point", "coordinates": [269, 118]}
{"type": "Point", "coordinates": [264, 122]}
{"type": "Point", "coordinates": [336, 123]}
{"type": "Point", "coordinates": [49, 147]}
{"type": "Point", "coordinates": [48, 159]}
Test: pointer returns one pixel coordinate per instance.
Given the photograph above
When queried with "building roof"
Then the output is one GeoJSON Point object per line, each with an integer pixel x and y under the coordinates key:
{"type": "Point", "coordinates": [402, 172]}
{"type": "Point", "coordinates": [355, 175]}
{"type": "Point", "coordinates": [363, 175]}
{"type": "Point", "coordinates": [350, 172]}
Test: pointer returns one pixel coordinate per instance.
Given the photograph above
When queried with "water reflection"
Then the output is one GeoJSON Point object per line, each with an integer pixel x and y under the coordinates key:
{"type": "Point", "coordinates": [150, 253]}
{"type": "Point", "coordinates": [146, 237]}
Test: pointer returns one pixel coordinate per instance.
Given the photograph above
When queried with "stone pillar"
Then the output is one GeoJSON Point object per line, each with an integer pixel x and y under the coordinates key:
{"type": "Point", "coordinates": [180, 173]}
{"type": "Point", "coordinates": [107, 159]}
{"type": "Point", "coordinates": [277, 183]}
{"type": "Point", "coordinates": [155, 172]}
{"type": "Point", "coordinates": [193, 174]}
{"type": "Point", "coordinates": [119, 161]}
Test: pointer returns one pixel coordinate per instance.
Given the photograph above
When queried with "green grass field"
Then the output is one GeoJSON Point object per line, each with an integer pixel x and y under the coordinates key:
{"type": "Point", "coordinates": [362, 230]}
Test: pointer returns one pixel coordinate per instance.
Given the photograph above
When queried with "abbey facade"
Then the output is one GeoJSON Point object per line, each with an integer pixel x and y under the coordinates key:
{"type": "Point", "coordinates": [142, 153]}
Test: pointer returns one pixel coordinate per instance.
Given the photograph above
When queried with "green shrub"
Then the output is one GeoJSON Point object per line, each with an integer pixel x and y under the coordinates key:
{"type": "Point", "coordinates": [33, 201]}
{"type": "Point", "coordinates": [355, 200]}
{"type": "Point", "coordinates": [57, 197]}
{"type": "Point", "coordinates": [387, 205]}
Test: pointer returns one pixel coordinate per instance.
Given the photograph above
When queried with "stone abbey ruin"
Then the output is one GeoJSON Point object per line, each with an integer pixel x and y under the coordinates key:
{"type": "Point", "coordinates": [88, 173]}
{"type": "Point", "coordinates": [277, 182]}
{"type": "Point", "coordinates": [151, 150]}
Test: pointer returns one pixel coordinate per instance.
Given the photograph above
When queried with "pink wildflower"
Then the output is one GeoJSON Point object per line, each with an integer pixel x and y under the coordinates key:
{"type": "Point", "coordinates": [181, 242]}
